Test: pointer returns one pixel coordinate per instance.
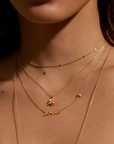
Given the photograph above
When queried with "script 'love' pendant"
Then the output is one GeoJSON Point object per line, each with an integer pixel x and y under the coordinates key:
{"type": "Point", "coordinates": [47, 113]}
{"type": "Point", "coordinates": [51, 102]}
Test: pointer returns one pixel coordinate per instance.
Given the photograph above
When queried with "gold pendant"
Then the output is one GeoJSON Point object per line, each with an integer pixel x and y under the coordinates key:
{"type": "Point", "coordinates": [51, 113]}
{"type": "Point", "coordinates": [51, 102]}
{"type": "Point", "coordinates": [78, 95]}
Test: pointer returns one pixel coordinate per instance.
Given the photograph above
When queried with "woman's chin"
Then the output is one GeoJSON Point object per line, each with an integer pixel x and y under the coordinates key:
{"type": "Point", "coordinates": [45, 14]}
{"type": "Point", "coordinates": [50, 11]}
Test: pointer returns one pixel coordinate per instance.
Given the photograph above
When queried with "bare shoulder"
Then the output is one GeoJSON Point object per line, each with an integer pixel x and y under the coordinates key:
{"type": "Point", "coordinates": [107, 77]}
{"type": "Point", "coordinates": [109, 68]}
{"type": "Point", "coordinates": [7, 66]}
{"type": "Point", "coordinates": [106, 83]}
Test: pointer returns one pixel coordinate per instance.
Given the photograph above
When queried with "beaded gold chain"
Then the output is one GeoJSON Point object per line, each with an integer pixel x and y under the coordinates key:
{"type": "Point", "coordinates": [52, 99]}
{"type": "Point", "coordinates": [60, 65]}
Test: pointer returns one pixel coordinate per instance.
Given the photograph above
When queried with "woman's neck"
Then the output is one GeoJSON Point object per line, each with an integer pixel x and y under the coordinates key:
{"type": "Point", "coordinates": [64, 41]}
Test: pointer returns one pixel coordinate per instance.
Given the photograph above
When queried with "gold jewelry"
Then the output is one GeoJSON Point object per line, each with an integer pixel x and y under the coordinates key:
{"type": "Point", "coordinates": [87, 111]}
{"type": "Point", "coordinates": [60, 65]}
{"type": "Point", "coordinates": [52, 100]}
{"type": "Point", "coordinates": [46, 113]}
{"type": "Point", "coordinates": [91, 99]}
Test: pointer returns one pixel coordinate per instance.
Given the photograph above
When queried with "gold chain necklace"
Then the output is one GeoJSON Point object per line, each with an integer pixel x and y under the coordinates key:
{"type": "Point", "coordinates": [52, 100]}
{"type": "Point", "coordinates": [46, 113]}
{"type": "Point", "coordinates": [91, 99]}
{"type": "Point", "coordinates": [60, 65]}
{"type": "Point", "coordinates": [87, 111]}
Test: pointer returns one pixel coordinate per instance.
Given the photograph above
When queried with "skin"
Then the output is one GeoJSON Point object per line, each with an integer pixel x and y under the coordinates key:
{"type": "Point", "coordinates": [53, 33]}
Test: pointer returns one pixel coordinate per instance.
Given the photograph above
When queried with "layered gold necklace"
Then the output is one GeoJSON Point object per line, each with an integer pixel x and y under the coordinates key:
{"type": "Point", "coordinates": [46, 113]}
{"type": "Point", "coordinates": [77, 96]}
{"type": "Point", "coordinates": [52, 99]}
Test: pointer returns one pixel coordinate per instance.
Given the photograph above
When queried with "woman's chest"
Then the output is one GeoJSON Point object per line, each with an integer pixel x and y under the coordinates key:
{"type": "Point", "coordinates": [29, 126]}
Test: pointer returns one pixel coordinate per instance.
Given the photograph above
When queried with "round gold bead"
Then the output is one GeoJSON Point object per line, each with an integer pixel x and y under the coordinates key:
{"type": "Point", "coordinates": [78, 95]}
{"type": "Point", "coordinates": [56, 112]}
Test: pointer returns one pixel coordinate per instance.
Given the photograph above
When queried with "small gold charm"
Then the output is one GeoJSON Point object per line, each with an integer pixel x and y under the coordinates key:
{"type": "Point", "coordinates": [51, 102]}
{"type": "Point", "coordinates": [51, 113]}
{"type": "Point", "coordinates": [58, 112]}
{"type": "Point", "coordinates": [47, 113]}
{"type": "Point", "coordinates": [78, 95]}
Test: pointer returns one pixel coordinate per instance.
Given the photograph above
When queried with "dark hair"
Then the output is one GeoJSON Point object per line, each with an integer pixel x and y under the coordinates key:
{"type": "Point", "coordinates": [10, 30]}
{"type": "Point", "coordinates": [106, 12]}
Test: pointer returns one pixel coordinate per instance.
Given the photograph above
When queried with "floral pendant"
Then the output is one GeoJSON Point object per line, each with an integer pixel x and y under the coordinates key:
{"type": "Point", "coordinates": [51, 102]}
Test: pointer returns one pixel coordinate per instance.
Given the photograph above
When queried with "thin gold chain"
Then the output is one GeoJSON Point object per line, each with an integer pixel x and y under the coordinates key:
{"type": "Point", "coordinates": [19, 140]}
{"type": "Point", "coordinates": [87, 78]}
{"type": "Point", "coordinates": [91, 100]}
{"type": "Point", "coordinates": [60, 65]}
{"type": "Point", "coordinates": [77, 96]}
{"type": "Point", "coordinates": [88, 108]}
{"type": "Point", "coordinates": [68, 83]}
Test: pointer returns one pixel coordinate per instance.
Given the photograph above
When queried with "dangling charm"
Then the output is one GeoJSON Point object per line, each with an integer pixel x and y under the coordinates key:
{"type": "Point", "coordinates": [51, 102]}
{"type": "Point", "coordinates": [78, 95]}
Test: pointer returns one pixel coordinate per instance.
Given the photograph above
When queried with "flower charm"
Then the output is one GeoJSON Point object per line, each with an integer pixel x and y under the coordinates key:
{"type": "Point", "coordinates": [51, 102]}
